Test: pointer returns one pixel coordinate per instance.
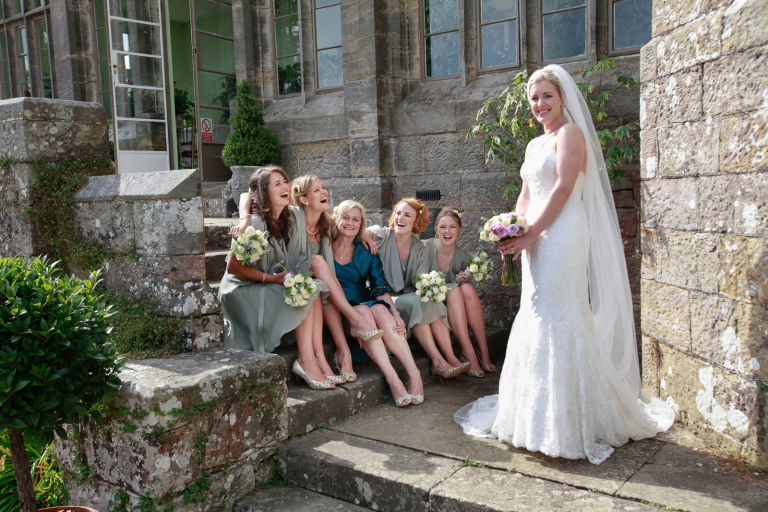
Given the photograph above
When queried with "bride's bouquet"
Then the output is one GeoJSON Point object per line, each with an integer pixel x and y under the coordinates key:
{"type": "Point", "coordinates": [250, 245]}
{"type": "Point", "coordinates": [298, 289]}
{"type": "Point", "coordinates": [480, 267]}
{"type": "Point", "coordinates": [431, 287]}
{"type": "Point", "coordinates": [500, 227]}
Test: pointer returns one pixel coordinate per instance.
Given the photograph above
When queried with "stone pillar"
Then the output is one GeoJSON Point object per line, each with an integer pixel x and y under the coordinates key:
{"type": "Point", "coordinates": [704, 116]}
{"type": "Point", "coordinates": [33, 129]}
{"type": "Point", "coordinates": [74, 50]}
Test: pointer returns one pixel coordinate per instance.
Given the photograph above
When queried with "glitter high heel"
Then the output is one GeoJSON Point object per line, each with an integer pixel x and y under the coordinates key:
{"type": "Point", "coordinates": [299, 373]}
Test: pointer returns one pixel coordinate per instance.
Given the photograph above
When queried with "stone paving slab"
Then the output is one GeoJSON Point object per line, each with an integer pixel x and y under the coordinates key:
{"type": "Point", "coordinates": [431, 428]}
{"type": "Point", "coordinates": [683, 478]}
{"type": "Point", "coordinates": [378, 475]}
{"type": "Point", "coordinates": [293, 499]}
{"type": "Point", "coordinates": [475, 489]}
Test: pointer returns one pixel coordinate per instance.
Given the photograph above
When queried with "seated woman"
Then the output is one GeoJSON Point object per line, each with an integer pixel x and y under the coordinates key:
{"type": "Point", "coordinates": [399, 249]}
{"type": "Point", "coordinates": [463, 300]}
{"type": "Point", "coordinates": [255, 312]}
{"type": "Point", "coordinates": [356, 268]}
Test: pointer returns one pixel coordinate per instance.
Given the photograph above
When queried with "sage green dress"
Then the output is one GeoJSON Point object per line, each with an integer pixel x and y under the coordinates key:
{"type": "Point", "coordinates": [400, 275]}
{"type": "Point", "coordinates": [256, 316]}
{"type": "Point", "coordinates": [428, 263]}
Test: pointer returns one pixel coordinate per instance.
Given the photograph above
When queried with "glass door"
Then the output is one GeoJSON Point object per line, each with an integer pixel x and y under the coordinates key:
{"type": "Point", "coordinates": [138, 77]}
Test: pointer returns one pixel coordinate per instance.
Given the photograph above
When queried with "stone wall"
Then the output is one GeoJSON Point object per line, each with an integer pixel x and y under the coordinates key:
{"type": "Point", "coordinates": [704, 114]}
{"type": "Point", "coordinates": [191, 433]}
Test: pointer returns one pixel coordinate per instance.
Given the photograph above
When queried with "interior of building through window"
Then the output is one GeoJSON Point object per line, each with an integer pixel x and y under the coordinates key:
{"type": "Point", "coordinates": [330, 65]}
{"type": "Point", "coordinates": [441, 37]}
{"type": "Point", "coordinates": [287, 50]}
{"type": "Point", "coordinates": [498, 19]}
{"type": "Point", "coordinates": [563, 30]}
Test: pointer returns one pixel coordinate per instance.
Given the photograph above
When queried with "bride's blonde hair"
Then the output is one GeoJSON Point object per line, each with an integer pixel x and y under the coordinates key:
{"type": "Point", "coordinates": [541, 75]}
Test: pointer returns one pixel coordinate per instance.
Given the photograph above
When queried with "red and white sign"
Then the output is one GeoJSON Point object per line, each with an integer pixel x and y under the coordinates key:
{"type": "Point", "coordinates": [206, 127]}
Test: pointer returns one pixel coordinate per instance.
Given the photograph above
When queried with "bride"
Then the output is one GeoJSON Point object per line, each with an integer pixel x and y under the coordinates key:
{"type": "Point", "coordinates": [570, 385]}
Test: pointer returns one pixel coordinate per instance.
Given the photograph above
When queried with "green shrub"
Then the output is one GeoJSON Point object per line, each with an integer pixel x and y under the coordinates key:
{"type": "Point", "coordinates": [48, 476]}
{"type": "Point", "coordinates": [56, 359]}
{"type": "Point", "coordinates": [250, 143]}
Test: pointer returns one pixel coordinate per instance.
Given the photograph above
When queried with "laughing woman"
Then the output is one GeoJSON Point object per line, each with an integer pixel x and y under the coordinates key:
{"type": "Point", "coordinates": [464, 309]}
{"type": "Point", "coordinates": [255, 313]}
{"type": "Point", "coordinates": [400, 249]}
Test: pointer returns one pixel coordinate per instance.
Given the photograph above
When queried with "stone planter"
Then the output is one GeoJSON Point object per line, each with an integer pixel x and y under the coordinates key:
{"type": "Point", "coordinates": [238, 183]}
{"type": "Point", "coordinates": [68, 509]}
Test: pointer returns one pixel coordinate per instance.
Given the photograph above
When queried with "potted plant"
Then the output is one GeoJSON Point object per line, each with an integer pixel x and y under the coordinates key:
{"type": "Point", "coordinates": [250, 144]}
{"type": "Point", "coordinates": [56, 358]}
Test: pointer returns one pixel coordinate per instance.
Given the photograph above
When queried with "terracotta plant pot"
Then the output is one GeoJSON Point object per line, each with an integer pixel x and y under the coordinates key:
{"type": "Point", "coordinates": [70, 508]}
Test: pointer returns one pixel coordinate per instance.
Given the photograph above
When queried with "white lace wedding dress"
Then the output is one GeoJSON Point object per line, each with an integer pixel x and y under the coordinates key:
{"type": "Point", "coordinates": [555, 394]}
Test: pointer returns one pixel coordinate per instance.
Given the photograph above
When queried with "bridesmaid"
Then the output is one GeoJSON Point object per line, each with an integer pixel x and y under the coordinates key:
{"type": "Point", "coordinates": [255, 313]}
{"type": "Point", "coordinates": [464, 309]}
{"type": "Point", "coordinates": [399, 249]}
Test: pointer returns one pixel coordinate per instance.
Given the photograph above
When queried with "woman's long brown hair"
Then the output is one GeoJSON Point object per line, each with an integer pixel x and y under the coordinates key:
{"type": "Point", "coordinates": [279, 228]}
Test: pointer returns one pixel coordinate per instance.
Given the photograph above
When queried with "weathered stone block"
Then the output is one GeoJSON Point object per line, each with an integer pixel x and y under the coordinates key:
{"type": "Point", "coordinates": [669, 203]}
{"type": "Point", "coordinates": [15, 183]}
{"type": "Point", "coordinates": [204, 332]}
{"type": "Point", "coordinates": [408, 155]}
{"type": "Point", "coordinates": [449, 185]}
{"type": "Point", "coordinates": [109, 223]}
{"type": "Point", "coordinates": [735, 204]}
{"type": "Point", "coordinates": [216, 411]}
{"type": "Point", "coordinates": [469, 240]}
{"type": "Point", "coordinates": [730, 333]}
{"type": "Point", "coordinates": [497, 310]}
{"type": "Point", "coordinates": [745, 24]}
{"type": "Point", "coordinates": [483, 191]}
{"type": "Point", "coordinates": [669, 14]}
{"type": "Point", "coordinates": [453, 153]}
{"type": "Point", "coordinates": [321, 127]}
{"type": "Point", "coordinates": [666, 313]}
{"type": "Point", "coordinates": [648, 62]}
{"type": "Point", "coordinates": [409, 119]}
{"type": "Point", "coordinates": [735, 82]}
{"type": "Point", "coordinates": [680, 258]}
{"type": "Point", "coordinates": [651, 359]}
{"type": "Point", "coordinates": [364, 155]}
{"type": "Point", "coordinates": [289, 160]}
{"type": "Point", "coordinates": [689, 148]}
{"type": "Point", "coordinates": [182, 184]}
{"type": "Point", "coordinates": [16, 235]}
{"type": "Point", "coordinates": [649, 154]}
{"type": "Point", "coordinates": [690, 45]}
{"type": "Point", "coordinates": [624, 199]}
{"type": "Point", "coordinates": [373, 193]}
{"type": "Point", "coordinates": [326, 159]}
{"type": "Point", "coordinates": [672, 99]}
{"type": "Point", "coordinates": [744, 142]}
{"type": "Point", "coordinates": [169, 226]}
{"type": "Point", "coordinates": [743, 268]}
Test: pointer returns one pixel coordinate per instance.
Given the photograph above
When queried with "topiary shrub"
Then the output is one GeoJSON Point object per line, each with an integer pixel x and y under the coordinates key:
{"type": "Point", "coordinates": [250, 143]}
{"type": "Point", "coordinates": [56, 358]}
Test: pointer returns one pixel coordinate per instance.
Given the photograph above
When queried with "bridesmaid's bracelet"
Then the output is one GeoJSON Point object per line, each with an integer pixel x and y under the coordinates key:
{"type": "Point", "coordinates": [264, 277]}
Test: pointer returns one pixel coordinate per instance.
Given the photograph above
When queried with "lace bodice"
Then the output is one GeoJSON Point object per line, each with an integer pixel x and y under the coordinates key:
{"type": "Point", "coordinates": [540, 174]}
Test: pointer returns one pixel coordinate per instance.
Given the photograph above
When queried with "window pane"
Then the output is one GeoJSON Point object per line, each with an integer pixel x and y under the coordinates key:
{"type": "Point", "coordinates": [287, 36]}
{"type": "Point", "coordinates": [102, 47]}
{"type": "Point", "coordinates": [556, 5]}
{"type": "Point", "coordinates": [631, 23]}
{"type": "Point", "coordinates": [144, 10]}
{"type": "Point", "coordinates": [328, 27]}
{"type": "Point", "coordinates": [442, 55]}
{"type": "Point", "coordinates": [104, 75]}
{"type": "Point", "coordinates": [141, 103]}
{"type": "Point", "coordinates": [288, 75]}
{"type": "Point", "coordinates": [564, 34]}
{"type": "Point", "coordinates": [283, 7]}
{"type": "Point", "coordinates": [214, 17]}
{"type": "Point", "coordinates": [215, 90]}
{"type": "Point", "coordinates": [42, 36]}
{"type": "Point", "coordinates": [500, 44]}
{"type": "Point", "coordinates": [137, 70]}
{"type": "Point", "coordinates": [141, 136]}
{"type": "Point", "coordinates": [21, 41]}
{"type": "Point", "coordinates": [217, 54]}
{"type": "Point", "coordinates": [495, 10]}
{"type": "Point", "coordinates": [325, 3]}
{"type": "Point", "coordinates": [440, 15]}
{"type": "Point", "coordinates": [99, 13]}
{"type": "Point", "coordinates": [6, 93]}
{"type": "Point", "coordinates": [330, 68]}
{"type": "Point", "coordinates": [218, 116]}
{"type": "Point", "coordinates": [133, 37]}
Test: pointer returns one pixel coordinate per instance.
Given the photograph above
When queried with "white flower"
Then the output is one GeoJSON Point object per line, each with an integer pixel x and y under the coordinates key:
{"type": "Point", "coordinates": [506, 222]}
{"type": "Point", "coordinates": [294, 291]}
{"type": "Point", "coordinates": [425, 299]}
{"type": "Point", "coordinates": [250, 231]}
{"type": "Point", "coordinates": [443, 289]}
{"type": "Point", "coordinates": [288, 282]}
{"type": "Point", "coordinates": [484, 268]}
{"type": "Point", "coordinates": [473, 268]}
{"type": "Point", "coordinates": [305, 293]}
{"type": "Point", "coordinates": [419, 286]}
{"type": "Point", "coordinates": [478, 277]}
{"type": "Point", "coordinates": [441, 297]}
{"type": "Point", "coordinates": [299, 278]}
{"type": "Point", "coordinates": [520, 221]}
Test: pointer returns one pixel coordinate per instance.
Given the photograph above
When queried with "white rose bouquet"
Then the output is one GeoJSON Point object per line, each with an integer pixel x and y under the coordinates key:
{"type": "Point", "coordinates": [431, 287]}
{"type": "Point", "coordinates": [480, 267]}
{"type": "Point", "coordinates": [298, 289]}
{"type": "Point", "coordinates": [250, 245]}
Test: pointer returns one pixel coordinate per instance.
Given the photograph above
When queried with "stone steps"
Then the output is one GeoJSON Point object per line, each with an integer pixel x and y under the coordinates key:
{"type": "Point", "coordinates": [293, 499]}
{"type": "Point", "coordinates": [215, 263]}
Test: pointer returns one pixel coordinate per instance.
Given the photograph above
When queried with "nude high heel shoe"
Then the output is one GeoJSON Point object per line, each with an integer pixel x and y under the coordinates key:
{"type": "Point", "coordinates": [365, 336]}
{"type": "Point", "coordinates": [349, 377]}
{"type": "Point", "coordinates": [299, 373]}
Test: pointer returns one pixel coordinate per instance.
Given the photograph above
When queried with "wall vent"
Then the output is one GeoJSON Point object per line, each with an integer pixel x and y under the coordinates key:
{"type": "Point", "coordinates": [428, 195]}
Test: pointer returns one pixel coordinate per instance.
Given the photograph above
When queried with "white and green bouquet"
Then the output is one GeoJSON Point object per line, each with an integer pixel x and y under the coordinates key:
{"type": "Point", "coordinates": [298, 289]}
{"type": "Point", "coordinates": [431, 286]}
{"type": "Point", "coordinates": [250, 245]}
{"type": "Point", "coordinates": [480, 267]}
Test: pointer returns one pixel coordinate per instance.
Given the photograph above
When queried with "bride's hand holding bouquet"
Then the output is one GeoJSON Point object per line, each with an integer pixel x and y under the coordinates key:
{"type": "Point", "coordinates": [511, 231]}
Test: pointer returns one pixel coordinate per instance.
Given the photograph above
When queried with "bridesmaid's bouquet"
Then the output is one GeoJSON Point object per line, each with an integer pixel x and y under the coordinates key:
{"type": "Point", "coordinates": [250, 245]}
{"type": "Point", "coordinates": [298, 289]}
{"type": "Point", "coordinates": [480, 267]}
{"type": "Point", "coordinates": [431, 287]}
{"type": "Point", "coordinates": [500, 227]}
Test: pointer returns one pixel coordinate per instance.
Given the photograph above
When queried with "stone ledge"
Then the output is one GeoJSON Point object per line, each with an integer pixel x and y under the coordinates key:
{"type": "Point", "coordinates": [182, 184]}
{"type": "Point", "coordinates": [42, 109]}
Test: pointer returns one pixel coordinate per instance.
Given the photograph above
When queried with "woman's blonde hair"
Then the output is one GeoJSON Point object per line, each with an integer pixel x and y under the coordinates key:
{"type": "Point", "coordinates": [343, 208]}
{"type": "Point", "coordinates": [300, 188]}
{"type": "Point", "coordinates": [422, 214]}
{"type": "Point", "coordinates": [541, 75]}
{"type": "Point", "coordinates": [449, 211]}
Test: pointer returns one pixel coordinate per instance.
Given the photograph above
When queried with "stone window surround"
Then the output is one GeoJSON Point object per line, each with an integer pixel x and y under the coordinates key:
{"type": "Point", "coordinates": [589, 32]}
{"type": "Point", "coordinates": [609, 42]}
{"type": "Point", "coordinates": [520, 31]}
{"type": "Point", "coordinates": [29, 19]}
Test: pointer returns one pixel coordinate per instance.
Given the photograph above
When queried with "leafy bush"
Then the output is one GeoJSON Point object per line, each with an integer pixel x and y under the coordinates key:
{"type": "Point", "coordinates": [250, 143]}
{"type": "Point", "coordinates": [507, 123]}
{"type": "Point", "coordinates": [48, 477]}
{"type": "Point", "coordinates": [56, 360]}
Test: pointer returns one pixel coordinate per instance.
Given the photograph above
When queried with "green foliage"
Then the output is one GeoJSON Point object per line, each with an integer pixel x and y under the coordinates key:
{"type": "Point", "coordinates": [142, 331]}
{"type": "Point", "coordinates": [277, 479]}
{"type": "Point", "coordinates": [507, 123]}
{"type": "Point", "coordinates": [473, 463]}
{"type": "Point", "coordinates": [250, 143]}
{"type": "Point", "coordinates": [52, 210]}
{"type": "Point", "coordinates": [47, 476]}
{"type": "Point", "coordinates": [56, 360]}
{"type": "Point", "coordinates": [182, 103]}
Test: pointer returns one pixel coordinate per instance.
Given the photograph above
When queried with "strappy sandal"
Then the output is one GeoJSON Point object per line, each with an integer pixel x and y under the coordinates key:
{"type": "Point", "coordinates": [417, 399]}
{"type": "Point", "coordinates": [349, 377]}
{"type": "Point", "coordinates": [336, 379]}
{"type": "Point", "coordinates": [403, 400]}
{"type": "Point", "coordinates": [477, 374]}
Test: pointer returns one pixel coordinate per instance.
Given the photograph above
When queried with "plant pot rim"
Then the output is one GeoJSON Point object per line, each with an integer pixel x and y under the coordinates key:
{"type": "Point", "coordinates": [73, 508]}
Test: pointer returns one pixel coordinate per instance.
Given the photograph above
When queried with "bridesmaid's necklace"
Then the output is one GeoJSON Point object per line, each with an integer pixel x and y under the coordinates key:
{"type": "Point", "coordinates": [442, 255]}
{"type": "Point", "coordinates": [317, 228]}
{"type": "Point", "coordinates": [406, 246]}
